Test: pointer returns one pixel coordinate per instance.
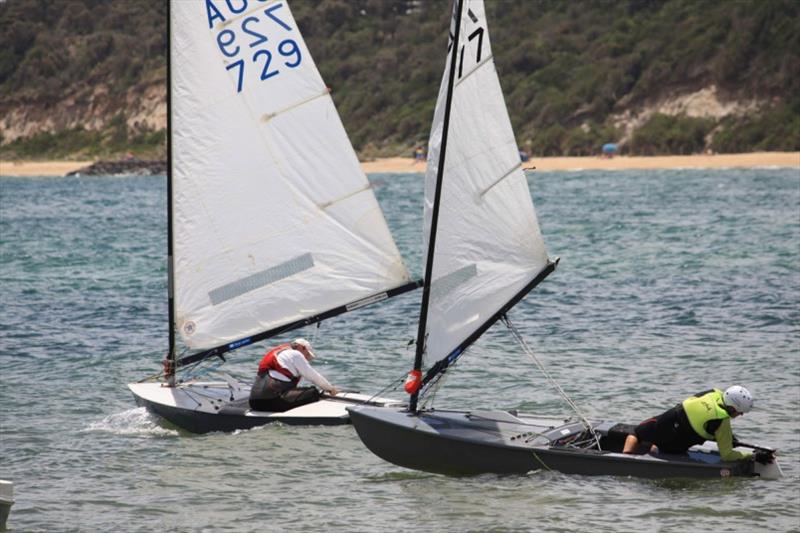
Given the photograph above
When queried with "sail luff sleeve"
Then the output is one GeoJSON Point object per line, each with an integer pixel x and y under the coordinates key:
{"type": "Point", "coordinates": [218, 351]}
{"type": "Point", "coordinates": [420, 346]}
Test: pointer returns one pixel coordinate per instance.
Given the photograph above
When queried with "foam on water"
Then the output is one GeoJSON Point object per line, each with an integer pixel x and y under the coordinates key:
{"type": "Point", "coordinates": [136, 422]}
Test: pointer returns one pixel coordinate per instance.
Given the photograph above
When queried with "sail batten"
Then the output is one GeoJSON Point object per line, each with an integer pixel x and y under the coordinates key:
{"type": "Point", "coordinates": [274, 220]}
{"type": "Point", "coordinates": [488, 59]}
{"type": "Point", "coordinates": [345, 197]}
{"type": "Point", "coordinates": [267, 118]}
{"type": "Point", "coordinates": [511, 172]}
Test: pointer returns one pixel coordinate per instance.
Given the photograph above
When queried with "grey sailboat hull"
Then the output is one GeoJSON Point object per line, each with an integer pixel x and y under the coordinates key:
{"type": "Point", "coordinates": [478, 442]}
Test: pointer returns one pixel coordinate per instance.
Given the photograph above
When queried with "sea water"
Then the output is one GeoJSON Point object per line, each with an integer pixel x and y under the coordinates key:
{"type": "Point", "coordinates": [670, 282]}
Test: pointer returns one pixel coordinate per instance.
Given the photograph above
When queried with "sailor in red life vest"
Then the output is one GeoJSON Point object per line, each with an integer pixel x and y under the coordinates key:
{"type": "Point", "coordinates": [275, 388]}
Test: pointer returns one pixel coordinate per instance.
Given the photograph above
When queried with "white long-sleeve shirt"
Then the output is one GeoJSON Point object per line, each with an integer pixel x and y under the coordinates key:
{"type": "Point", "coordinates": [295, 362]}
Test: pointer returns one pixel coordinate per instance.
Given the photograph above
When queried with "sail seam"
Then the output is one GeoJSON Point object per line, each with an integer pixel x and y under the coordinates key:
{"type": "Point", "coordinates": [503, 177]}
{"type": "Point", "coordinates": [269, 116]}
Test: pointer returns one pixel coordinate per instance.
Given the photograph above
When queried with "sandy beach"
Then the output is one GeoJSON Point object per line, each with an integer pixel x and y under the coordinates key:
{"type": "Point", "coordinates": [756, 159]}
{"type": "Point", "coordinates": [40, 168]}
{"type": "Point", "coordinates": [407, 164]}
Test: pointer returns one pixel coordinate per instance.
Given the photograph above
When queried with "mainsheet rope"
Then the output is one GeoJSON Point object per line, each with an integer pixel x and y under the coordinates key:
{"type": "Point", "coordinates": [515, 332]}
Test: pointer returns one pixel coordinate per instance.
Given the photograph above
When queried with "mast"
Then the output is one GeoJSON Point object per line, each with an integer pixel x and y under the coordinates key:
{"type": "Point", "coordinates": [426, 289]}
{"type": "Point", "coordinates": [169, 362]}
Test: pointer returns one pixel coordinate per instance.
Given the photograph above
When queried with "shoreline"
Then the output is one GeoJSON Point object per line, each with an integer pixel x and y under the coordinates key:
{"type": "Point", "coordinates": [401, 165]}
{"type": "Point", "coordinates": [549, 164]}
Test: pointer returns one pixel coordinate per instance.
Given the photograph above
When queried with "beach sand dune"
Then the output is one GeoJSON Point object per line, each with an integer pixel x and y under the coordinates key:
{"type": "Point", "coordinates": [407, 164]}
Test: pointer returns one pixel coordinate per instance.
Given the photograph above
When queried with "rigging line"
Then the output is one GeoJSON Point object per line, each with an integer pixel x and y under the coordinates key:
{"type": "Point", "coordinates": [429, 395]}
{"type": "Point", "coordinates": [196, 371]}
{"type": "Point", "coordinates": [515, 332]}
{"type": "Point", "coordinates": [189, 394]}
{"type": "Point", "coordinates": [391, 384]}
{"type": "Point", "coordinates": [540, 461]}
{"type": "Point", "coordinates": [315, 333]}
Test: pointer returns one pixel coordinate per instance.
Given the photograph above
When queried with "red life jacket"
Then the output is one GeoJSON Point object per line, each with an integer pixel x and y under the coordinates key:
{"type": "Point", "coordinates": [270, 362]}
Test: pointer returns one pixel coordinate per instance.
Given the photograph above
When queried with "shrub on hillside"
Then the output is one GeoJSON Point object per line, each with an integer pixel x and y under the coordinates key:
{"type": "Point", "coordinates": [776, 129]}
{"type": "Point", "coordinates": [665, 135]}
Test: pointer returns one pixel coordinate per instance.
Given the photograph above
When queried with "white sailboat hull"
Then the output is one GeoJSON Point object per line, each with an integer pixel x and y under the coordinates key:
{"type": "Point", "coordinates": [6, 501]}
{"type": "Point", "coordinates": [203, 407]}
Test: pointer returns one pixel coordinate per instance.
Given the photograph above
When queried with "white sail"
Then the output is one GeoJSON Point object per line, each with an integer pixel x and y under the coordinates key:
{"type": "Point", "coordinates": [274, 221]}
{"type": "Point", "coordinates": [488, 243]}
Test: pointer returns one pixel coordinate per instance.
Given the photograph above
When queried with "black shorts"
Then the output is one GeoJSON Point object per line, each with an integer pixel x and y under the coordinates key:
{"type": "Point", "coordinates": [270, 394]}
{"type": "Point", "coordinates": [670, 431]}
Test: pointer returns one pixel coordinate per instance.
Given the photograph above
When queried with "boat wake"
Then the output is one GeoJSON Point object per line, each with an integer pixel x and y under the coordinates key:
{"type": "Point", "coordinates": [390, 477]}
{"type": "Point", "coordinates": [132, 422]}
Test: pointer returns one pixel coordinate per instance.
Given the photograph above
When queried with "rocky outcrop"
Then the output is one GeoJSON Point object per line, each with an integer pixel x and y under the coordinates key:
{"type": "Point", "coordinates": [142, 108]}
{"type": "Point", "coordinates": [705, 103]}
{"type": "Point", "coordinates": [138, 167]}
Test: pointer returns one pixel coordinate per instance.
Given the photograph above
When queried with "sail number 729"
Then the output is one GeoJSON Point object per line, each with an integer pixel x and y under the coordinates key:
{"type": "Point", "coordinates": [250, 45]}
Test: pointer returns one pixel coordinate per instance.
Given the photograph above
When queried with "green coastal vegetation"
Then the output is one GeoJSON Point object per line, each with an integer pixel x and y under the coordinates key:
{"type": "Point", "coordinates": [575, 74]}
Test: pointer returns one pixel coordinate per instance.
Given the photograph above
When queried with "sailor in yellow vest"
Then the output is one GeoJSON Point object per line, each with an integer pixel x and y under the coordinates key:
{"type": "Point", "coordinates": [704, 416]}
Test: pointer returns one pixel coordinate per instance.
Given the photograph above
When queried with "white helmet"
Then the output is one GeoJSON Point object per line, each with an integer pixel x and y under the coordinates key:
{"type": "Point", "coordinates": [739, 398]}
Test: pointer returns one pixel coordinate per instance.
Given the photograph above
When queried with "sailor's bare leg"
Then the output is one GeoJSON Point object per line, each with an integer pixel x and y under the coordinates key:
{"type": "Point", "coordinates": [631, 442]}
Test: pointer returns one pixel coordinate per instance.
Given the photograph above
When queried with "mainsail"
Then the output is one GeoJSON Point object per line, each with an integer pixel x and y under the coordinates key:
{"type": "Point", "coordinates": [489, 251]}
{"type": "Point", "coordinates": [274, 221]}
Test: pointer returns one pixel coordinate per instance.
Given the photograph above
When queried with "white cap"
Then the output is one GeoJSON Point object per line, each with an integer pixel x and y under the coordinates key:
{"type": "Point", "coordinates": [307, 345]}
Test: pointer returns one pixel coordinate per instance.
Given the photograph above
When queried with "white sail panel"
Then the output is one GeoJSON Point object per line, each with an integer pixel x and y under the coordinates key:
{"type": "Point", "coordinates": [274, 221]}
{"type": "Point", "coordinates": [488, 244]}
